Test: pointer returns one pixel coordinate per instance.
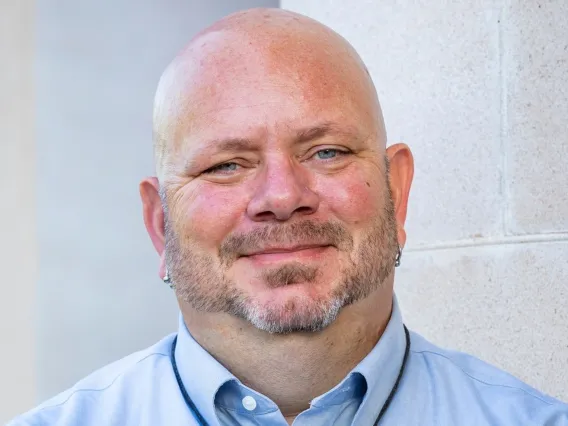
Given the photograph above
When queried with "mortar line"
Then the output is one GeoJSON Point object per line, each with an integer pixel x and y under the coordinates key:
{"type": "Point", "coordinates": [503, 121]}
{"type": "Point", "coordinates": [480, 242]}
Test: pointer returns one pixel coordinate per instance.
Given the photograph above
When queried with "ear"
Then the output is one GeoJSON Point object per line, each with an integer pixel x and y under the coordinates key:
{"type": "Point", "coordinates": [154, 217]}
{"type": "Point", "coordinates": [400, 178]}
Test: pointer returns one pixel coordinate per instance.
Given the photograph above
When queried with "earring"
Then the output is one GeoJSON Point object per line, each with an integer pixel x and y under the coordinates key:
{"type": "Point", "coordinates": [168, 280]}
{"type": "Point", "coordinates": [398, 257]}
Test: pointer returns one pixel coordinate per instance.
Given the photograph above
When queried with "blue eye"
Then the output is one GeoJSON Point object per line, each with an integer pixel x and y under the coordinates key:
{"type": "Point", "coordinates": [227, 167]}
{"type": "Point", "coordinates": [223, 168]}
{"type": "Point", "coordinates": [328, 154]}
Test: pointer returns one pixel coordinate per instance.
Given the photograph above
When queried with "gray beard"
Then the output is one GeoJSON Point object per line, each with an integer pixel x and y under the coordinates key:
{"type": "Point", "coordinates": [199, 281]}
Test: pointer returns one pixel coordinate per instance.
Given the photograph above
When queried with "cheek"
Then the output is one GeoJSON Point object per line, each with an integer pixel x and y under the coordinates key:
{"type": "Point", "coordinates": [207, 215]}
{"type": "Point", "coordinates": [353, 198]}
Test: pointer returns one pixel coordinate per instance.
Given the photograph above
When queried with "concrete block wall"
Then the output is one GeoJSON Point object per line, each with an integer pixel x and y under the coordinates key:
{"type": "Point", "coordinates": [479, 90]}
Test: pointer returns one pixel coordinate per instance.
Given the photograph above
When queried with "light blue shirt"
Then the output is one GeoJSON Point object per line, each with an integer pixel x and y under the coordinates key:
{"type": "Point", "coordinates": [438, 388]}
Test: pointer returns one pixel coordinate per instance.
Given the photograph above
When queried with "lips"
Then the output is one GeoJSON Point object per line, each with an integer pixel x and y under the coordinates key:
{"type": "Point", "coordinates": [276, 255]}
{"type": "Point", "coordinates": [285, 249]}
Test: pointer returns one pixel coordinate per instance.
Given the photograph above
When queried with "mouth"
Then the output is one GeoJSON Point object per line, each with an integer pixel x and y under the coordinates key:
{"type": "Point", "coordinates": [278, 254]}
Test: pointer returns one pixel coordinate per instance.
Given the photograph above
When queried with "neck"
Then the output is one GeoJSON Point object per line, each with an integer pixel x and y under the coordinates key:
{"type": "Point", "coordinates": [295, 368]}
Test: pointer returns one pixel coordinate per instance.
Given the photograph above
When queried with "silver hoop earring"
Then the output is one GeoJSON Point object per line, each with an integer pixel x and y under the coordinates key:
{"type": "Point", "coordinates": [168, 280]}
{"type": "Point", "coordinates": [398, 257]}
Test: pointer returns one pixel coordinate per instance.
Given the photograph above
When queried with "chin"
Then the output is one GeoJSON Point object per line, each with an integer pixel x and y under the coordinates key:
{"type": "Point", "coordinates": [295, 311]}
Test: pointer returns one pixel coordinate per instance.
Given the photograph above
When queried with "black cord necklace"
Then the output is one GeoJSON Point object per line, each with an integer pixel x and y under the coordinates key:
{"type": "Point", "coordinates": [202, 422]}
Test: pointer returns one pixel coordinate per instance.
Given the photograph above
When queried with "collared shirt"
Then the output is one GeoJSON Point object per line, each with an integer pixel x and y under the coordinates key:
{"type": "Point", "coordinates": [438, 388]}
{"type": "Point", "coordinates": [357, 400]}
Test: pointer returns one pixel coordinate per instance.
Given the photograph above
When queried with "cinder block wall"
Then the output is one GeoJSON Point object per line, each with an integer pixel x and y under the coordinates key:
{"type": "Point", "coordinates": [479, 90]}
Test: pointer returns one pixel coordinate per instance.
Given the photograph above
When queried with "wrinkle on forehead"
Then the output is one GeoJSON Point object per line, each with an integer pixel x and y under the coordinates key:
{"type": "Point", "coordinates": [306, 59]}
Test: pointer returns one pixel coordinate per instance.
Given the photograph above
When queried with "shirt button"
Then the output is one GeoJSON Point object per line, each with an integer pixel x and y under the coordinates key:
{"type": "Point", "coordinates": [249, 403]}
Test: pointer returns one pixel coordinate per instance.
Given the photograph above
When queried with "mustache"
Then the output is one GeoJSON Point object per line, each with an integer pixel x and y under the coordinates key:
{"type": "Point", "coordinates": [305, 232]}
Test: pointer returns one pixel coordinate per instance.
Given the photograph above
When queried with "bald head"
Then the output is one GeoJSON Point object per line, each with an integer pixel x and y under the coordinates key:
{"type": "Point", "coordinates": [255, 57]}
{"type": "Point", "coordinates": [269, 135]}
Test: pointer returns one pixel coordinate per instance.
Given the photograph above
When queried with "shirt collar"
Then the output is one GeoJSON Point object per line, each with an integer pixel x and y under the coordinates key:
{"type": "Point", "coordinates": [381, 367]}
{"type": "Point", "coordinates": [379, 371]}
{"type": "Point", "coordinates": [200, 373]}
{"type": "Point", "coordinates": [203, 376]}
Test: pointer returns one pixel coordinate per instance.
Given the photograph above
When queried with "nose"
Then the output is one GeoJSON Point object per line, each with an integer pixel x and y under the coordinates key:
{"type": "Point", "coordinates": [282, 194]}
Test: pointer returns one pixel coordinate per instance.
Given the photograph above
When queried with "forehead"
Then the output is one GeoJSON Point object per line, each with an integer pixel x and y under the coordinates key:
{"type": "Point", "coordinates": [233, 86]}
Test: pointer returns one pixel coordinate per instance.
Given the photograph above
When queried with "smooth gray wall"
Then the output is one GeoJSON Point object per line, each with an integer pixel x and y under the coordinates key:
{"type": "Point", "coordinates": [18, 254]}
{"type": "Point", "coordinates": [479, 91]}
{"type": "Point", "coordinates": [98, 63]}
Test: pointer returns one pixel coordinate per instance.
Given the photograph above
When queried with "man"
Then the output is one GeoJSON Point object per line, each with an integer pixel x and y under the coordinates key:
{"type": "Point", "coordinates": [278, 214]}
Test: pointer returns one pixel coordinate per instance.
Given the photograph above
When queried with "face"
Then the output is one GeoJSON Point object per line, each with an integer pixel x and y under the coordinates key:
{"type": "Point", "coordinates": [277, 203]}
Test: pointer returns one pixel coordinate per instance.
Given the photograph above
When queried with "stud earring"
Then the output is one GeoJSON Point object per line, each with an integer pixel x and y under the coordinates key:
{"type": "Point", "coordinates": [398, 257]}
{"type": "Point", "coordinates": [168, 280]}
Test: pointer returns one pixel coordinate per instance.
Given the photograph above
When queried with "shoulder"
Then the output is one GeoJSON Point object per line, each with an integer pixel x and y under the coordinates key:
{"type": "Point", "coordinates": [482, 384]}
{"type": "Point", "coordinates": [106, 391]}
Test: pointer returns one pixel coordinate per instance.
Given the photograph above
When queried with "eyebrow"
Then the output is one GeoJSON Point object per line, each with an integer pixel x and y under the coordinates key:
{"type": "Point", "coordinates": [324, 129]}
{"type": "Point", "coordinates": [233, 144]}
{"type": "Point", "coordinates": [301, 136]}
